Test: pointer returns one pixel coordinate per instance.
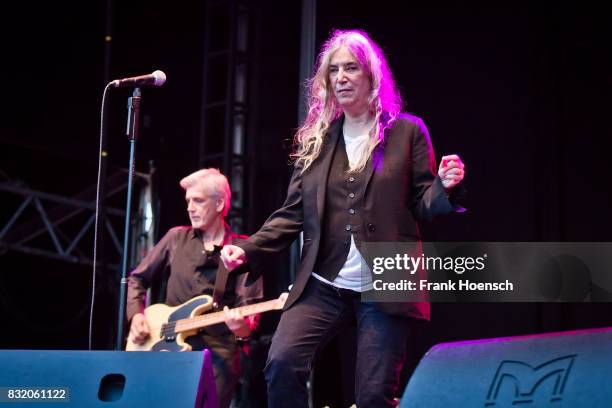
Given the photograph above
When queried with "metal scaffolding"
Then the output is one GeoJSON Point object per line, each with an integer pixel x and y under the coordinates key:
{"type": "Point", "coordinates": [224, 109]}
{"type": "Point", "coordinates": [55, 226]}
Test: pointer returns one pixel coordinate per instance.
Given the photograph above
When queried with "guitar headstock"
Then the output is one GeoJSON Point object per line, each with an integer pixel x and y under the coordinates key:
{"type": "Point", "coordinates": [280, 302]}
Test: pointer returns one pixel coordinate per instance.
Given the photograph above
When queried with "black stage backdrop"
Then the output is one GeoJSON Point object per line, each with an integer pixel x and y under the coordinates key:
{"type": "Point", "coordinates": [520, 91]}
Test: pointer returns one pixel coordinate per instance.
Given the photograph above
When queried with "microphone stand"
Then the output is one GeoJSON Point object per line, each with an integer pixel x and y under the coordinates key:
{"type": "Point", "coordinates": [133, 122]}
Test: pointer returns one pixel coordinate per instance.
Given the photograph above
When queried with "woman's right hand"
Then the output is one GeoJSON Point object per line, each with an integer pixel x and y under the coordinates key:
{"type": "Point", "coordinates": [232, 257]}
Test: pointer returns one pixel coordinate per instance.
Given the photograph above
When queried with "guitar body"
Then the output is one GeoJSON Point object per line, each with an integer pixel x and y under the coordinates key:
{"type": "Point", "coordinates": [161, 320]}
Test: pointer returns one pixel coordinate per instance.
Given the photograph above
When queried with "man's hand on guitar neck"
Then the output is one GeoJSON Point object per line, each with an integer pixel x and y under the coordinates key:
{"type": "Point", "coordinates": [240, 326]}
{"type": "Point", "coordinates": [139, 329]}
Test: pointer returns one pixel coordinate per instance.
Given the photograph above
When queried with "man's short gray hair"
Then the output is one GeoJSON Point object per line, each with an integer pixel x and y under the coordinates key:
{"type": "Point", "coordinates": [210, 178]}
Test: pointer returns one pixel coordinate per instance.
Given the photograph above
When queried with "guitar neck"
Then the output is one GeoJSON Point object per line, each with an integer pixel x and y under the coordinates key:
{"type": "Point", "coordinates": [209, 319]}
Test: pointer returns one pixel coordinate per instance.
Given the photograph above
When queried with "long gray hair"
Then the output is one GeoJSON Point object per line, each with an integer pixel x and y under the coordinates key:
{"type": "Point", "coordinates": [384, 100]}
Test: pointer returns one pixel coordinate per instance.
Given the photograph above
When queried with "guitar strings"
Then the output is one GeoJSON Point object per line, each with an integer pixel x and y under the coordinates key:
{"type": "Point", "coordinates": [200, 319]}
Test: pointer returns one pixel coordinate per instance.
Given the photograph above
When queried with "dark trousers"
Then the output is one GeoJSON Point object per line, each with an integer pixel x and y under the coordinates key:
{"type": "Point", "coordinates": [311, 322]}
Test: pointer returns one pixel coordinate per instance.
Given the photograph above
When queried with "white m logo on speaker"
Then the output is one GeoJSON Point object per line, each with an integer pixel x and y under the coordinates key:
{"type": "Point", "coordinates": [526, 379]}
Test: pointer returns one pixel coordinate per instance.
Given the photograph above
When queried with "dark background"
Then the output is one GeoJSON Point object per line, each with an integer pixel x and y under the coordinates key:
{"type": "Point", "coordinates": [520, 91]}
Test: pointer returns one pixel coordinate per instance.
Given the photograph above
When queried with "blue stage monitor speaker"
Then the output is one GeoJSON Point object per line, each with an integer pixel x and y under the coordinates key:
{"type": "Point", "coordinates": [111, 379]}
{"type": "Point", "coordinates": [568, 369]}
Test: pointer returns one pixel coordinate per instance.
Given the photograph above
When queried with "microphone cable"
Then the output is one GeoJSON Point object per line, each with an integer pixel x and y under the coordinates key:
{"type": "Point", "coordinates": [97, 215]}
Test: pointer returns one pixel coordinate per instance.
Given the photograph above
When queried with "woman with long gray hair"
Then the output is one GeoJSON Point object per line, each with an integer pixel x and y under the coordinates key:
{"type": "Point", "coordinates": [363, 172]}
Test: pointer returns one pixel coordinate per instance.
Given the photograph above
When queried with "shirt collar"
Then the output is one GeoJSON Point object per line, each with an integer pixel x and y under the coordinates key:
{"type": "Point", "coordinates": [227, 235]}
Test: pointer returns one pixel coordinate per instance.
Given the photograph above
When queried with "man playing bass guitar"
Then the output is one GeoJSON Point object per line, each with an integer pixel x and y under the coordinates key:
{"type": "Point", "coordinates": [186, 261]}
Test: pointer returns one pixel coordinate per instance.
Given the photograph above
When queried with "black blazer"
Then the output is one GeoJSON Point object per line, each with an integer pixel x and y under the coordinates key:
{"type": "Point", "coordinates": [401, 188]}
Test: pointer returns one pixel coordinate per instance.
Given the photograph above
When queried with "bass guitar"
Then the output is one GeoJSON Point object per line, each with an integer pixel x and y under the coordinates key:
{"type": "Point", "coordinates": [170, 326]}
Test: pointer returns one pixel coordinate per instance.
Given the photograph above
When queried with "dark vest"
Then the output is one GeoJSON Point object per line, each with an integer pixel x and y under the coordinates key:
{"type": "Point", "coordinates": [342, 216]}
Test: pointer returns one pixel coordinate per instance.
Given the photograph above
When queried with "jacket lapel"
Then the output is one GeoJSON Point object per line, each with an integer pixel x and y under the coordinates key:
{"type": "Point", "coordinates": [375, 162]}
{"type": "Point", "coordinates": [325, 159]}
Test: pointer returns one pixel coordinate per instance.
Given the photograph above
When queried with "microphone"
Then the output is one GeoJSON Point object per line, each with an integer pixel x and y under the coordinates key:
{"type": "Point", "coordinates": [156, 78]}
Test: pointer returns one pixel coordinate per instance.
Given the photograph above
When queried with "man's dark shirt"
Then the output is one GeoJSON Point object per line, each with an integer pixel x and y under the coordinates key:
{"type": "Point", "coordinates": [191, 272]}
